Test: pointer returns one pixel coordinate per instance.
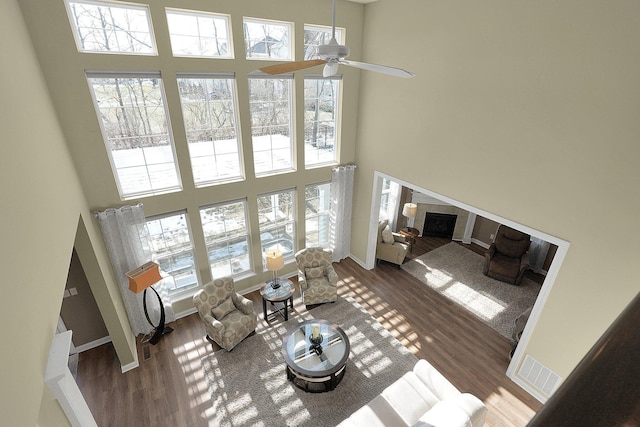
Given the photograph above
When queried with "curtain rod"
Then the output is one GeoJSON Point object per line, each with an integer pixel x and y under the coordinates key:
{"type": "Point", "coordinates": [96, 213]}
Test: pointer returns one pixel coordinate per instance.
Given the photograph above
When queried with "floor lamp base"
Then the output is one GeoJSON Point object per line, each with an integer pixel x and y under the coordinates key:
{"type": "Point", "coordinates": [161, 329]}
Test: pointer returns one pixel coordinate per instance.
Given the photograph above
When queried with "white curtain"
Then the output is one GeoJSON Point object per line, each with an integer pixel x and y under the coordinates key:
{"type": "Point", "coordinates": [126, 239]}
{"type": "Point", "coordinates": [340, 211]}
{"type": "Point", "coordinates": [537, 253]}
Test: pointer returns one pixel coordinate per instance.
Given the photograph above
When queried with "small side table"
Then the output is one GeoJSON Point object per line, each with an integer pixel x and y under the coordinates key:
{"type": "Point", "coordinates": [283, 294]}
{"type": "Point", "coordinates": [410, 233]}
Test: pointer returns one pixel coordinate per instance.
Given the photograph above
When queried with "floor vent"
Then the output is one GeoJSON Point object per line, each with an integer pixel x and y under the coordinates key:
{"type": "Point", "coordinates": [538, 375]}
{"type": "Point", "coordinates": [146, 352]}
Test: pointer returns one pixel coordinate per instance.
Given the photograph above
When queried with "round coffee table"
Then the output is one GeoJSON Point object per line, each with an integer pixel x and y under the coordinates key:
{"type": "Point", "coordinates": [316, 365]}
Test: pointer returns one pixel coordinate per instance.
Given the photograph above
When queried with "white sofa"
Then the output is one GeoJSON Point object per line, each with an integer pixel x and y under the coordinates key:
{"type": "Point", "coordinates": [421, 398]}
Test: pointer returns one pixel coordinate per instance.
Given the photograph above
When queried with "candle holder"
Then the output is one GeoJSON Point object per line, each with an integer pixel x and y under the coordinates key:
{"type": "Point", "coordinates": [316, 346]}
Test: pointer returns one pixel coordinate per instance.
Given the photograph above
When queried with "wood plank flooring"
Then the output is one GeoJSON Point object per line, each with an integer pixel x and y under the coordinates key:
{"type": "Point", "coordinates": [169, 388]}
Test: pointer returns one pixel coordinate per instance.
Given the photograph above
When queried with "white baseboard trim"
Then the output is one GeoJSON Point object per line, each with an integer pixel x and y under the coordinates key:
{"type": "Point", "coordinates": [480, 243]}
{"type": "Point", "coordinates": [186, 313]}
{"type": "Point", "coordinates": [130, 366]}
{"type": "Point", "coordinates": [93, 344]}
{"type": "Point", "coordinates": [359, 262]}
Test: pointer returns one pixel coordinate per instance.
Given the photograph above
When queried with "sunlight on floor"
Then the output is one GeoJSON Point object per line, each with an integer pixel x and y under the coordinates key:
{"type": "Point", "coordinates": [481, 305]}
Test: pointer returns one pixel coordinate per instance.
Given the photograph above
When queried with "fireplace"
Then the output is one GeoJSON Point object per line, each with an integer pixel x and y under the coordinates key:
{"type": "Point", "coordinates": [439, 225]}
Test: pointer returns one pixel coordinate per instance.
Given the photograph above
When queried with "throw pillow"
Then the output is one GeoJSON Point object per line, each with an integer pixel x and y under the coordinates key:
{"type": "Point", "coordinates": [314, 272]}
{"type": "Point", "coordinates": [224, 308]}
{"type": "Point", "coordinates": [445, 413]}
{"type": "Point", "coordinates": [387, 235]}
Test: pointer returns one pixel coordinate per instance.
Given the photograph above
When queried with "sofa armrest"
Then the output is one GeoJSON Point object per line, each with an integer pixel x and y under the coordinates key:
{"type": "Point", "coordinates": [434, 380]}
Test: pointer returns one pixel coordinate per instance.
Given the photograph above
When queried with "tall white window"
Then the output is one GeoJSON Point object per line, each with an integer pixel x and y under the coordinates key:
{"type": "Point", "coordinates": [210, 120]}
{"type": "Point", "coordinates": [316, 35]}
{"type": "Point", "coordinates": [389, 200]}
{"type": "Point", "coordinates": [317, 219]}
{"type": "Point", "coordinates": [132, 110]}
{"type": "Point", "coordinates": [277, 221]}
{"type": "Point", "coordinates": [171, 248]}
{"type": "Point", "coordinates": [110, 27]}
{"type": "Point", "coordinates": [226, 235]}
{"type": "Point", "coordinates": [200, 34]}
{"type": "Point", "coordinates": [271, 124]}
{"type": "Point", "coordinates": [267, 40]}
{"type": "Point", "coordinates": [320, 120]}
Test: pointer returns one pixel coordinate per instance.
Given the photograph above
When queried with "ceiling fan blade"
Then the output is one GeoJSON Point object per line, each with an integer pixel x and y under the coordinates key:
{"type": "Point", "coordinates": [291, 66]}
{"type": "Point", "coordinates": [384, 69]}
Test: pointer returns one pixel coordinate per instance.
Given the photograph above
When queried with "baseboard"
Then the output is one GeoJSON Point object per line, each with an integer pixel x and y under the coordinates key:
{"type": "Point", "coordinates": [186, 313]}
{"type": "Point", "coordinates": [359, 262]}
{"type": "Point", "coordinates": [480, 243]}
{"type": "Point", "coordinates": [130, 366]}
{"type": "Point", "coordinates": [93, 344]}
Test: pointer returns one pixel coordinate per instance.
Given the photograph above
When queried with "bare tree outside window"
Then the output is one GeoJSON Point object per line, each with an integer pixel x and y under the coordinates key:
{"type": "Point", "coordinates": [111, 28]}
{"type": "Point", "coordinates": [199, 34]}
{"type": "Point", "coordinates": [320, 120]}
{"type": "Point", "coordinates": [267, 39]}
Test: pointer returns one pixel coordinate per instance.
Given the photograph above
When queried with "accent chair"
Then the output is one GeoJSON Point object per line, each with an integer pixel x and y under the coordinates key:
{"type": "Point", "coordinates": [507, 258]}
{"type": "Point", "coordinates": [317, 278]}
{"type": "Point", "coordinates": [390, 246]}
{"type": "Point", "coordinates": [228, 317]}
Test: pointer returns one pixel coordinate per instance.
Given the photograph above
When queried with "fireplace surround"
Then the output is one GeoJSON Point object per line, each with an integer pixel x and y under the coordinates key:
{"type": "Point", "coordinates": [439, 224]}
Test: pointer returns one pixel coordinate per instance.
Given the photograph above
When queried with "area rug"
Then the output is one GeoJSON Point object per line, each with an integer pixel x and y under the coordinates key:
{"type": "Point", "coordinates": [249, 387]}
{"type": "Point", "coordinates": [456, 273]}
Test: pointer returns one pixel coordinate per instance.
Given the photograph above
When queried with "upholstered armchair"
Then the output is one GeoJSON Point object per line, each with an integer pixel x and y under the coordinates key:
{"type": "Point", "coordinates": [507, 258]}
{"type": "Point", "coordinates": [228, 316]}
{"type": "Point", "coordinates": [390, 246]}
{"type": "Point", "coordinates": [317, 279]}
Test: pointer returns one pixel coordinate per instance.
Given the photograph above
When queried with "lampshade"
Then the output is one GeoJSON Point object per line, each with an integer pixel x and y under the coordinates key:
{"type": "Point", "coordinates": [275, 260]}
{"type": "Point", "coordinates": [330, 69]}
{"type": "Point", "coordinates": [142, 277]}
{"type": "Point", "coordinates": [409, 210]}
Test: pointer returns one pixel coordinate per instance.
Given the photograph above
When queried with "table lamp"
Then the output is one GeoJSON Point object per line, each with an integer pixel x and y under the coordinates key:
{"type": "Point", "coordinates": [275, 261]}
{"type": "Point", "coordinates": [141, 279]}
{"type": "Point", "coordinates": [409, 210]}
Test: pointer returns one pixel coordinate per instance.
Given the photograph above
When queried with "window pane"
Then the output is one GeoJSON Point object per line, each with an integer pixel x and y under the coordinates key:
{"type": "Point", "coordinates": [227, 238]}
{"type": "Point", "coordinates": [171, 248]}
{"type": "Point", "coordinates": [320, 121]}
{"type": "Point", "coordinates": [317, 217]}
{"type": "Point", "coordinates": [199, 34]}
{"type": "Point", "coordinates": [276, 218]}
{"type": "Point", "coordinates": [209, 111]}
{"type": "Point", "coordinates": [135, 125]}
{"type": "Point", "coordinates": [111, 27]}
{"type": "Point", "coordinates": [315, 36]}
{"type": "Point", "coordinates": [267, 39]}
{"type": "Point", "coordinates": [271, 123]}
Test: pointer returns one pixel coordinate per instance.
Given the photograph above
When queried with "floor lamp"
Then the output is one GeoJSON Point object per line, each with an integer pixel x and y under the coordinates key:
{"type": "Point", "coordinates": [140, 279]}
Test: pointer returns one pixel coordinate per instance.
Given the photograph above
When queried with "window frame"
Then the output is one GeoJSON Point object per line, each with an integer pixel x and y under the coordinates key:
{"type": "Point", "coordinates": [320, 29]}
{"type": "Point", "coordinates": [201, 14]}
{"type": "Point", "coordinates": [263, 21]}
{"type": "Point", "coordinates": [337, 113]}
{"type": "Point", "coordinates": [176, 292]}
{"type": "Point", "coordinates": [324, 213]}
{"type": "Point", "coordinates": [107, 141]}
{"type": "Point", "coordinates": [290, 222]}
{"type": "Point", "coordinates": [240, 176]}
{"type": "Point", "coordinates": [115, 4]}
{"type": "Point", "coordinates": [246, 234]}
{"type": "Point", "coordinates": [291, 126]}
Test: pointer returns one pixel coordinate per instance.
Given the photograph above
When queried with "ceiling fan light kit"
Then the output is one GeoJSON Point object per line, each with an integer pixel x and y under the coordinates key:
{"type": "Point", "coordinates": [332, 54]}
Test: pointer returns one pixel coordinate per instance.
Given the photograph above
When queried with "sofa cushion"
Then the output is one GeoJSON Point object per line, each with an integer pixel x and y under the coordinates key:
{"type": "Point", "coordinates": [409, 397]}
{"type": "Point", "coordinates": [445, 413]}
{"type": "Point", "coordinates": [222, 309]}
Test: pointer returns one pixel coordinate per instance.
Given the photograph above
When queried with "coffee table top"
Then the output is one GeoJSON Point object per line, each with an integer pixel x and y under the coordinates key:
{"type": "Point", "coordinates": [299, 355]}
{"type": "Point", "coordinates": [284, 292]}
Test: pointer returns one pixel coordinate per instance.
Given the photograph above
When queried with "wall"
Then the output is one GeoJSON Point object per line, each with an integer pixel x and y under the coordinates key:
{"type": "Point", "coordinates": [505, 90]}
{"type": "Point", "coordinates": [69, 90]}
{"type": "Point", "coordinates": [42, 202]}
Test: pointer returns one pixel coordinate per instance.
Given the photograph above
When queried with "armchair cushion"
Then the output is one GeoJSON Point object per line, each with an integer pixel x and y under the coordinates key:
{"type": "Point", "coordinates": [387, 235]}
{"type": "Point", "coordinates": [223, 309]}
{"type": "Point", "coordinates": [314, 272]}
{"type": "Point", "coordinates": [316, 276]}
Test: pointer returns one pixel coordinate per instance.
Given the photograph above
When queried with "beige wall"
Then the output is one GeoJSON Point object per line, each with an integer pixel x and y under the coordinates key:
{"type": "Point", "coordinates": [504, 90]}
{"type": "Point", "coordinates": [42, 205]}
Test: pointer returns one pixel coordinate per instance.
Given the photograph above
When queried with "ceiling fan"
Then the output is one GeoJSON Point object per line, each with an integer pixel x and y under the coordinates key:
{"type": "Point", "coordinates": [332, 54]}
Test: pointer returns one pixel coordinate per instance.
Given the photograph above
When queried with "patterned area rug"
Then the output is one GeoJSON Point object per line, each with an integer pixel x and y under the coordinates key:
{"type": "Point", "coordinates": [249, 387]}
{"type": "Point", "coordinates": [456, 273]}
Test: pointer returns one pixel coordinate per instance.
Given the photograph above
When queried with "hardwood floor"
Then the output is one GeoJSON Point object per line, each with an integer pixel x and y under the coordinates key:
{"type": "Point", "coordinates": [169, 389]}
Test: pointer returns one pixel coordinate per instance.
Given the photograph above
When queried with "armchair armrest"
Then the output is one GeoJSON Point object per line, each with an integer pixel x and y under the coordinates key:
{"type": "Point", "coordinates": [399, 237]}
{"type": "Point", "coordinates": [302, 280]}
{"type": "Point", "coordinates": [332, 276]}
{"type": "Point", "coordinates": [243, 304]}
{"type": "Point", "coordinates": [215, 324]}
